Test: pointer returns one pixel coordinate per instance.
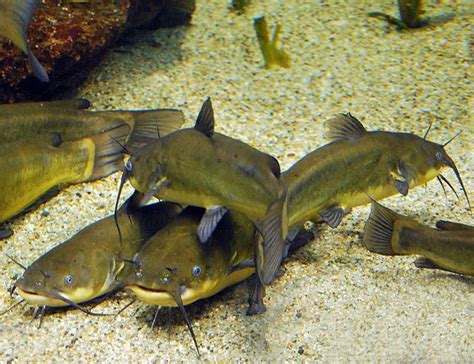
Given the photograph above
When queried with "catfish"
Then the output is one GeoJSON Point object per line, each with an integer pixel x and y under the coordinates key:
{"type": "Point", "coordinates": [69, 120]}
{"type": "Point", "coordinates": [32, 169]}
{"type": "Point", "coordinates": [449, 247]}
{"type": "Point", "coordinates": [175, 269]}
{"type": "Point", "coordinates": [328, 182]}
{"type": "Point", "coordinates": [15, 16]}
{"type": "Point", "coordinates": [200, 167]}
{"type": "Point", "coordinates": [85, 266]}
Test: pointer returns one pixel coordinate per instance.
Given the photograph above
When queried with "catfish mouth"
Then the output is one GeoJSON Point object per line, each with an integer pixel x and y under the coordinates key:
{"type": "Point", "coordinates": [152, 296]}
{"type": "Point", "coordinates": [40, 299]}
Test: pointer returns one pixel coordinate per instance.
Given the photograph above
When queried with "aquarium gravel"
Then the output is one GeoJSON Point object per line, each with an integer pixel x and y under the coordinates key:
{"type": "Point", "coordinates": [336, 302]}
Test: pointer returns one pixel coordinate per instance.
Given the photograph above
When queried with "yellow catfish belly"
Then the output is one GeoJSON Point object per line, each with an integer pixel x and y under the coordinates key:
{"type": "Point", "coordinates": [33, 169]}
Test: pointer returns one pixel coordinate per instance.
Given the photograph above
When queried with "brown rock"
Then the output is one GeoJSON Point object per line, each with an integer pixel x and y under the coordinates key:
{"type": "Point", "coordinates": [68, 38]}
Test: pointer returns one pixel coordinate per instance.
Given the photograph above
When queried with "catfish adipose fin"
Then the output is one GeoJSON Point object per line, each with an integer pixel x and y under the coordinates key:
{"type": "Point", "coordinates": [453, 226]}
{"type": "Point", "coordinates": [14, 19]}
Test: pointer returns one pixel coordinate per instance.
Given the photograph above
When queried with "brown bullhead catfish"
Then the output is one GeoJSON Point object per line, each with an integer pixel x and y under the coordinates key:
{"type": "Point", "coordinates": [450, 247]}
{"type": "Point", "coordinates": [199, 167]}
{"type": "Point", "coordinates": [69, 120]}
{"type": "Point", "coordinates": [15, 15]}
{"type": "Point", "coordinates": [175, 269]}
{"type": "Point", "coordinates": [31, 169]}
{"type": "Point", "coordinates": [85, 266]}
{"type": "Point", "coordinates": [329, 181]}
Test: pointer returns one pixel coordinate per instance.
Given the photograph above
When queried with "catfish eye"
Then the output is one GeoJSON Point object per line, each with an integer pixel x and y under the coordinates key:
{"type": "Point", "coordinates": [128, 165]}
{"type": "Point", "coordinates": [197, 271]}
{"type": "Point", "coordinates": [68, 280]}
{"type": "Point", "coordinates": [439, 156]}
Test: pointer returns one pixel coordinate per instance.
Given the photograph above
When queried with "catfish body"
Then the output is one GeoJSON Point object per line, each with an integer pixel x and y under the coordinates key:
{"type": "Point", "coordinates": [175, 263]}
{"type": "Point", "coordinates": [70, 120]}
{"type": "Point", "coordinates": [199, 167]}
{"type": "Point", "coordinates": [15, 15]}
{"type": "Point", "coordinates": [450, 247]}
{"type": "Point", "coordinates": [31, 169]}
{"type": "Point", "coordinates": [85, 266]}
{"type": "Point", "coordinates": [328, 182]}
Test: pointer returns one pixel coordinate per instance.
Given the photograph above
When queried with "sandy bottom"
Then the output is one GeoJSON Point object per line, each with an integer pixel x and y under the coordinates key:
{"type": "Point", "coordinates": [336, 301]}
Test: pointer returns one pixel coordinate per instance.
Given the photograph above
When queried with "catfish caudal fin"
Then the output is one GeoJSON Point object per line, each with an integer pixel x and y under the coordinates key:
{"type": "Point", "coordinates": [108, 151]}
{"type": "Point", "coordinates": [14, 19]}
{"type": "Point", "coordinates": [274, 234]}
{"type": "Point", "coordinates": [378, 230]}
{"type": "Point", "coordinates": [205, 119]}
{"type": "Point", "coordinates": [37, 69]}
{"type": "Point", "coordinates": [344, 127]}
{"type": "Point", "coordinates": [151, 125]}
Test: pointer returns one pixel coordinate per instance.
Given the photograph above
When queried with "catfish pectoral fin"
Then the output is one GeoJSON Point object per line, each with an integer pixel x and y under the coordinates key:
{"type": "Point", "coordinates": [333, 216]}
{"type": "Point", "coordinates": [256, 295]}
{"type": "Point", "coordinates": [5, 232]}
{"type": "Point", "coordinates": [274, 237]}
{"type": "Point", "coordinates": [400, 178]}
{"type": "Point", "coordinates": [209, 221]}
{"type": "Point", "coordinates": [425, 263]}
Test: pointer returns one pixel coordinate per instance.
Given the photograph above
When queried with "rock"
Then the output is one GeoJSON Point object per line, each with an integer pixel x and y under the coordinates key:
{"type": "Point", "coordinates": [69, 38]}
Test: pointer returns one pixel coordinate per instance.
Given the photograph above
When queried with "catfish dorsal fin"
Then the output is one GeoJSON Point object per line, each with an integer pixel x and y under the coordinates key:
{"type": "Point", "coordinates": [205, 119]}
{"type": "Point", "coordinates": [344, 127]}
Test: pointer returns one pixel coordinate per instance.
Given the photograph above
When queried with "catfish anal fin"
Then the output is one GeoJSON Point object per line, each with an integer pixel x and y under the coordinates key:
{"type": "Point", "coordinates": [425, 263]}
{"type": "Point", "coordinates": [333, 216]}
{"type": "Point", "coordinates": [205, 119]}
{"type": "Point", "coordinates": [5, 232]}
{"type": "Point", "coordinates": [209, 221]}
{"type": "Point", "coordinates": [256, 295]}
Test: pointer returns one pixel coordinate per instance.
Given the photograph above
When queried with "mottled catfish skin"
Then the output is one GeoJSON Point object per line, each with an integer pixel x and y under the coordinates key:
{"type": "Point", "coordinates": [31, 169]}
{"type": "Point", "coordinates": [450, 247]}
{"type": "Point", "coordinates": [69, 120]}
{"type": "Point", "coordinates": [85, 266]}
{"type": "Point", "coordinates": [15, 15]}
{"type": "Point", "coordinates": [199, 167]}
{"type": "Point", "coordinates": [328, 182]}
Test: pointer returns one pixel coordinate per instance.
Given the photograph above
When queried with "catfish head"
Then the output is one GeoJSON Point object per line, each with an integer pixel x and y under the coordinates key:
{"type": "Point", "coordinates": [426, 160]}
{"type": "Point", "coordinates": [56, 280]}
